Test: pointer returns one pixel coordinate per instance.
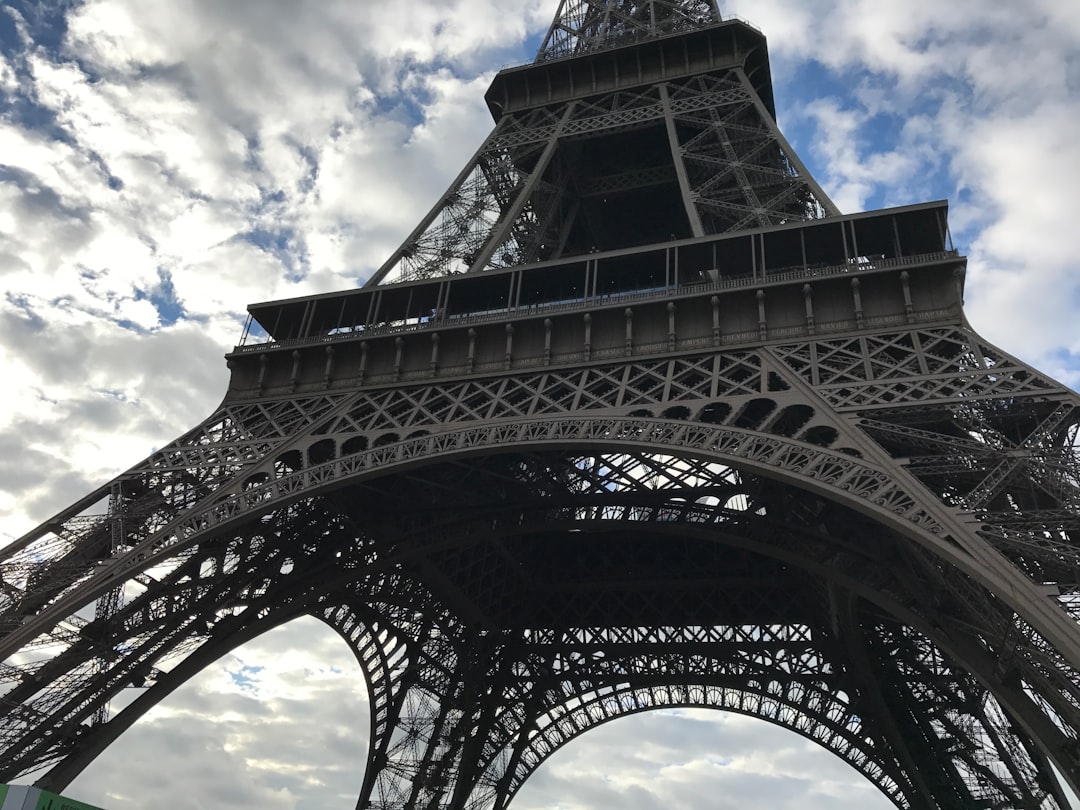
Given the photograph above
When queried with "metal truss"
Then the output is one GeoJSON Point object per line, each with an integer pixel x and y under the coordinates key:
{"type": "Point", "coordinates": [862, 530]}
{"type": "Point", "coordinates": [522, 197]}
{"type": "Point", "coordinates": [587, 25]}
{"type": "Point", "coordinates": [409, 519]}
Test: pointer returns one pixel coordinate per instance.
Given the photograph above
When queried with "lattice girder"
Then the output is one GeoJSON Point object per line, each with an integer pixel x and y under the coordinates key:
{"type": "Point", "coordinates": [554, 408]}
{"type": "Point", "coordinates": [739, 173]}
{"type": "Point", "coordinates": [616, 471]}
{"type": "Point", "coordinates": [793, 704]}
{"type": "Point", "coordinates": [622, 638]}
{"type": "Point", "coordinates": [587, 25]}
{"type": "Point", "coordinates": [383, 652]}
{"type": "Point", "coordinates": [716, 155]}
{"type": "Point", "coordinates": [783, 478]}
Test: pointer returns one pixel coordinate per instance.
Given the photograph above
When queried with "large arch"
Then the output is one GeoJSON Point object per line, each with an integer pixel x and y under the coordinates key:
{"type": "Point", "coordinates": [836, 476]}
{"type": "Point", "coordinates": [865, 486]}
{"type": "Point", "coordinates": [682, 759]}
{"type": "Point", "coordinates": [255, 727]}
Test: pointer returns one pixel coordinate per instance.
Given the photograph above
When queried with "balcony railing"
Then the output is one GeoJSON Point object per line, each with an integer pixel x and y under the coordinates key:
{"type": "Point", "coordinates": [783, 276]}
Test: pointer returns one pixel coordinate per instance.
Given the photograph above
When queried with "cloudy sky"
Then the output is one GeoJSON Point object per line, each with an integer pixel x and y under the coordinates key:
{"type": "Point", "coordinates": [162, 164]}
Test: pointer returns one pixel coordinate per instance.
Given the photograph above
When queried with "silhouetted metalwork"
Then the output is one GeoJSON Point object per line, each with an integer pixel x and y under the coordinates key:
{"type": "Point", "coordinates": [634, 419]}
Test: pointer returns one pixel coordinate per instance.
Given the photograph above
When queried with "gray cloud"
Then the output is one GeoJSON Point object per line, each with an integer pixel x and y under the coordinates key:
{"type": "Point", "coordinates": [983, 95]}
{"type": "Point", "coordinates": [280, 723]}
{"type": "Point", "coordinates": [682, 759]}
{"type": "Point", "coordinates": [255, 150]}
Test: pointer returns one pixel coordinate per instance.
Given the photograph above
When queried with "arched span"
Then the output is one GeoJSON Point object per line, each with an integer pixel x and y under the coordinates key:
{"type": "Point", "coordinates": [771, 707]}
{"type": "Point", "coordinates": [306, 725]}
{"type": "Point", "coordinates": [94, 741]}
{"type": "Point", "coordinates": [892, 587]}
{"type": "Point", "coordinates": [374, 641]}
{"type": "Point", "coordinates": [811, 704]}
{"type": "Point", "coordinates": [653, 436]}
{"type": "Point", "coordinates": [665, 518]}
{"type": "Point", "coordinates": [857, 483]}
{"type": "Point", "coordinates": [691, 758]}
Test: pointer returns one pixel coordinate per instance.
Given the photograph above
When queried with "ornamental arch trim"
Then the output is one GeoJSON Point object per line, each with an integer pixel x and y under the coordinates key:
{"type": "Point", "coordinates": [828, 730]}
{"type": "Point", "coordinates": [850, 481]}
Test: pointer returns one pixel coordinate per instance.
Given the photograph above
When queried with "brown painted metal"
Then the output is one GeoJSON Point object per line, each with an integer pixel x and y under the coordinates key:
{"type": "Point", "coordinates": [682, 435]}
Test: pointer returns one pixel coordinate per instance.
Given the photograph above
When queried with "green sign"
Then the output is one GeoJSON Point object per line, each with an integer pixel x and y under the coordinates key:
{"type": "Point", "coordinates": [50, 801]}
{"type": "Point", "coordinates": [25, 797]}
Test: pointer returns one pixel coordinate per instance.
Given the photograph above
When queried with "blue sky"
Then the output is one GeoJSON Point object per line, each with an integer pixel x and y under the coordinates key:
{"type": "Point", "coordinates": [163, 165]}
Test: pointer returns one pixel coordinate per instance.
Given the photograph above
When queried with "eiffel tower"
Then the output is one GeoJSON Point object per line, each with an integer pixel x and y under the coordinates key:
{"type": "Point", "coordinates": [635, 418]}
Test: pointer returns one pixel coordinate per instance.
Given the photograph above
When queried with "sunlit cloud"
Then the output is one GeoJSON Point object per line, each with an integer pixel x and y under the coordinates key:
{"type": "Point", "coordinates": [163, 165]}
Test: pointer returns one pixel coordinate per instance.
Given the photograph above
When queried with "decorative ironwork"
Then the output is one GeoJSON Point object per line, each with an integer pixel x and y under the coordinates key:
{"type": "Point", "coordinates": [809, 493]}
{"type": "Point", "coordinates": [586, 25]}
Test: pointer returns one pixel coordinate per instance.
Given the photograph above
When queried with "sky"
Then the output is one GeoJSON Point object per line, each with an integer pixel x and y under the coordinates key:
{"type": "Point", "coordinates": [164, 164]}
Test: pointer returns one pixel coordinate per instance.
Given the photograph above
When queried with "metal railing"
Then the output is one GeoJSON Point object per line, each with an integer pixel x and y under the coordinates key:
{"type": "Point", "coordinates": [521, 362]}
{"type": "Point", "coordinates": [770, 279]}
{"type": "Point", "coordinates": [570, 43]}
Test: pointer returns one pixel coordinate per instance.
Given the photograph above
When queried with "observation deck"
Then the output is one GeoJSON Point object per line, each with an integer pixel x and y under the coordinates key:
{"type": "Point", "coordinates": [860, 271]}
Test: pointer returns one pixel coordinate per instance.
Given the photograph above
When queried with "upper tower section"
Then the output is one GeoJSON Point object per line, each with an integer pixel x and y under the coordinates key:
{"type": "Point", "coordinates": [639, 63]}
{"type": "Point", "coordinates": [581, 26]}
{"type": "Point", "coordinates": [640, 122]}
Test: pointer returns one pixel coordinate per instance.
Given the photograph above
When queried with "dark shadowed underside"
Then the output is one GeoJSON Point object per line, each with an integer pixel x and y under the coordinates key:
{"type": "Point", "coordinates": [633, 419]}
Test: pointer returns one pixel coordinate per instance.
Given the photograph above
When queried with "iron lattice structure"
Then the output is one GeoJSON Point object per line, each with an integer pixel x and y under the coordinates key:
{"type": "Point", "coordinates": [634, 419]}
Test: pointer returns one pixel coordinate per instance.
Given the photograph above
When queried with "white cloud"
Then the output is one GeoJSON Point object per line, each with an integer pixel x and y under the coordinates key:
{"type": "Point", "coordinates": [676, 759]}
{"type": "Point", "coordinates": [212, 156]}
{"type": "Point", "coordinates": [977, 100]}
{"type": "Point", "coordinates": [280, 723]}
{"type": "Point", "coordinates": [205, 155]}
{"type": "Point", "coordinates": [9, 82]}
